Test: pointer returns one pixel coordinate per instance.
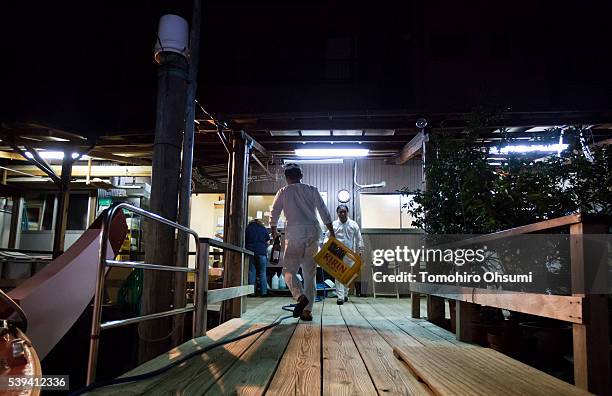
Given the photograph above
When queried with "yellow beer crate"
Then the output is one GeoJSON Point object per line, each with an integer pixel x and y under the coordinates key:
{"type": "Point", "coordinates": [339, 261]}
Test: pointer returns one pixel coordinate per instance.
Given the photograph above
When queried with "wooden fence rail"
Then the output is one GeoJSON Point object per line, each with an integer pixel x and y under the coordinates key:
{"type": "Point", "coordinates": [587, 313]}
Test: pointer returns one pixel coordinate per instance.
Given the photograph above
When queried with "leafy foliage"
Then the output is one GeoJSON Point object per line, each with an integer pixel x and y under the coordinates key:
{"type": "Point", "coordinates": [467, 195]}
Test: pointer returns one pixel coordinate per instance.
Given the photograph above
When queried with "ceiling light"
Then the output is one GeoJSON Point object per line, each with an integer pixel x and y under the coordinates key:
{"type": "Point", "coordinates": [326, 132]}
{"type": "Point", "coordinates": [314, 161]}
{"type": "Point", "coordinates": [332, 152]}
{"type": "Point", "coordinates": [347, 132]}
{"type": "Point", "coordinates": [542, 148]}
{"type": "Point", "coordinates": [54, 155]}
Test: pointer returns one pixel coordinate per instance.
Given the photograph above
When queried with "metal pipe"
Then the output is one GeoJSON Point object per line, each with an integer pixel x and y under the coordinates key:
{"type": "Point", "coordinates": [262, 165]}
{"type": "Point", "coordinates": [96, 325]}
{"type": "Point", "coordinates": [187, 164]}
{"type": "Point", "coordinates": [138, 319]}
{"type": "Point", "coordinates": [146, 266]}
{"type": "Point", "coordinates": [96, 318]}
{"type": "Point", "coordinates": [223, 140]}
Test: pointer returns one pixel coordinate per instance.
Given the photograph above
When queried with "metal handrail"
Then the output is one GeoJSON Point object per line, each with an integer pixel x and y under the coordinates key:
{"type": "Point", "coordinates": [137, 264]}
{"type": "Point", "coordinates": [198, 308]}
{"type": "Point", "coordinates": [222, 245]}
{"type": "Point", "coordinates": [124, 322]}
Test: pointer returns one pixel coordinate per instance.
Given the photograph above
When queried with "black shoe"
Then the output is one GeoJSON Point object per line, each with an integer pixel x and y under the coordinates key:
{"type": "Point", "coordinates": [306, 316]}
{"type": "Point", "coordinates": [299, 307]}
{"type": "Point", "coordinates": [345, 299]}
{"type": "Point", "coordinates": [340, 301]}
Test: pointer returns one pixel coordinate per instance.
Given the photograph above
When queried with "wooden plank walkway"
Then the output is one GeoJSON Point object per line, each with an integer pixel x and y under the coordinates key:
{"type": "Point", "coordinates": [364, 347]}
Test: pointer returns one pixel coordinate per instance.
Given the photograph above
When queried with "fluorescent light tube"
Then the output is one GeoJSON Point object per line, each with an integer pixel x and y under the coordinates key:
{"type": "Point", "coordinates": [529, 148]}
{"type": "Point", "coordinates": [332, 152]}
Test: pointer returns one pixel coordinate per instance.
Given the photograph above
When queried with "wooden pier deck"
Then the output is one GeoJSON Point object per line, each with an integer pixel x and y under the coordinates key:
{"type": "Point", "coordinates": [364, 347]}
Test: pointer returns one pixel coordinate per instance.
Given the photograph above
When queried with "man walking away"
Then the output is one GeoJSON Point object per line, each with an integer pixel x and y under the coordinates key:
{"type": "Point", "coordinates": [257, 239]}
{"type": "Point", "coordinates": [299, 202]}
{"type": "Point", "coordinates": [348, 232]}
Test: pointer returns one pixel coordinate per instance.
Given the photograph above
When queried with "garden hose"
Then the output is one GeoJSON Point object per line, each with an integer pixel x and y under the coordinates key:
{"type": "Point", "coordinates": [151, 374]}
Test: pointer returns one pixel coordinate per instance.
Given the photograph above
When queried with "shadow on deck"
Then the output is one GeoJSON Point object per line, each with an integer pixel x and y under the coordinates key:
{"type": "Point", "coordinates": [364, 347]}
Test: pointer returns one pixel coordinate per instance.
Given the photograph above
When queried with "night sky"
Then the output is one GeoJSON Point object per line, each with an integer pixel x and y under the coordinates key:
{"type": "Point", "coordinates": [87, 66]}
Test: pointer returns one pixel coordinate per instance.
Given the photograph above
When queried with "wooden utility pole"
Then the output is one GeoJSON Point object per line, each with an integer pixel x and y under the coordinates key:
{"type": "Point", "coordinates": [158, 292]}
{"type": "Point", "coordinates": [235, 221]}
{"type": "Point", "coordinates": [186, 171]}
{"type": "Point", "coordinates": [63, 200]}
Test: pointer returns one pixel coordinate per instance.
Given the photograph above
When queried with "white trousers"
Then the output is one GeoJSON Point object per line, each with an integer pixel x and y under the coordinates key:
{"type": "Point", "coordinates": [341, 290]}
{"type": "Point", "coordinates": [301, 245]}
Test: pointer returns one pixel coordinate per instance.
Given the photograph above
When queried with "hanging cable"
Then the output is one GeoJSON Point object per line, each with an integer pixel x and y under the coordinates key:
{"type": "Point", "coordinates": [151, 374]}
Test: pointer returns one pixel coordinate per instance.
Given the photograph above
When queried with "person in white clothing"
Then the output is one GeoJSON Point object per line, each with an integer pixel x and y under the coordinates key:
{"type": "Point", "coordinates": [300, 202]}
{"type": "Point", "coordinates": [347, 231]}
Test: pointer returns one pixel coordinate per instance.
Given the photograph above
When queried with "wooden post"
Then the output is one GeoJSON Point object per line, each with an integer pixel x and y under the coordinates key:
{"type": "Point", "coordinates": [416, 297]}
{"type": "Point", "coordinates": [435, 310]}
{"type": "Point", "coordinates": [62, 211]}
{"type": "Point", "coordinates": [186, 172]}
{"type": "Point", "coordinates": [591, 340]}
{"type": "Point", "coordinates": [236, 223]}
{"type": "Point", "coordinates": [464, 313]}
{"type": "Point", "coordinates": [88, 176]}
{"type": "Point", "coordinates": [158, 293]}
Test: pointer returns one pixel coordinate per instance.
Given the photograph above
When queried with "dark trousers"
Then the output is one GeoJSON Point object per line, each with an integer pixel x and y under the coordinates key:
{"type": "Point", "coordinates": [257, 269]}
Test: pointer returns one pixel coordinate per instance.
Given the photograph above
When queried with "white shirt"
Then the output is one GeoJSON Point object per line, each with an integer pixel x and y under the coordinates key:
{"type": "Point", "coordinates": [299, 201]}
{"type": "Point", "coordinates": [349, 234]}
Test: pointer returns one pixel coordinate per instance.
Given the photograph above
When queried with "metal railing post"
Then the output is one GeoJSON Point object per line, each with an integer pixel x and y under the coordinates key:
{"type": "Point", "coordinates": [96, 320]}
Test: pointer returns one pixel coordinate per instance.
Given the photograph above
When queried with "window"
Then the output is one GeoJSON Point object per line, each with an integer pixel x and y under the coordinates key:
{"type": "Point", "coordinates": [78, 210]}
{"type": "Point", "coordinates": [260, 207]}
{"type": "Point", "coordinates": [385, 211]}
{"type": "Point", "coordinates": [38, 212]}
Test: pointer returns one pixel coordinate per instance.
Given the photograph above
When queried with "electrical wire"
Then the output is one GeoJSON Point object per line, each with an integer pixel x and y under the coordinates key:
{"type": "Point", "coordinates": [151, 374]}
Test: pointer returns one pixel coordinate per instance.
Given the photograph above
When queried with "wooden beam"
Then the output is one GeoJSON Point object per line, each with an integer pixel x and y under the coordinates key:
{"type": "Point", "coordinates": [410, 150]}
{"type": "Point", "coordinates": [81, 170]}
{"type": "Point", "coordinates": [228, 293]}
{"type": "Point", "coordinates": [567, 308]}
{"type": "Point", "coordinates": [276, 140]}
{"type": "Point", "coordinates": [256, 144]}
{"type": "Point", "coordinates": [12, 156]}
{"type": "Point", "coordinates": [101, 154]}
{"type": "Point", "coordinates": [43, 130]}
{"type": "Point", "coordinates": [62, 211]}
{"type": "Point", "coordinates": [43, 166]}
{"type": "Point", "coordinates": [591, 342]}
{"type": "Point", "coordinates": [526, 229]}
{"type": "Point", "coordinates": [236, 218]}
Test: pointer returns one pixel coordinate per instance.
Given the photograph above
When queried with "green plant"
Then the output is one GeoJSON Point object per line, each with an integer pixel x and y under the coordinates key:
{"type": "Point", "coordinates": [466, 195]}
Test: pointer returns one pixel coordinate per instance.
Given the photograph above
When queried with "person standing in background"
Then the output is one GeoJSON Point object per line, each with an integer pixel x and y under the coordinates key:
{"type": "Point", "coordinates": [256, 240]}
{"type": "Point", "coordinates": [348, 232]}
{"type": "Point", "coordinates": [300, 202]}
